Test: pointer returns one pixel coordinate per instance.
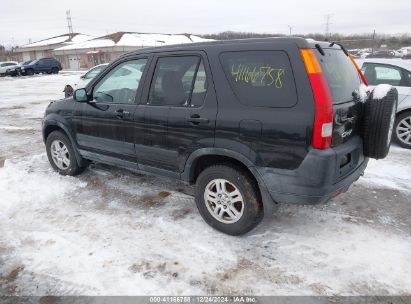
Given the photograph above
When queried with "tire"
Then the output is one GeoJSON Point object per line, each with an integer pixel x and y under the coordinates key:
{"type": "Point", "coordinates": [402, 136]}
{"type": "Point", "coordinates": [250, 212]}
{"type": "Point", "coordinates": [68, 91]}
{"type": "Point", "coordinates": [64, 168]}
{"type": "Point", "coordinates": [378, 124]}
{"type": "Point", "coordinates": [55, 70]}
{"type": "Point", "coordinates": [29, 72]}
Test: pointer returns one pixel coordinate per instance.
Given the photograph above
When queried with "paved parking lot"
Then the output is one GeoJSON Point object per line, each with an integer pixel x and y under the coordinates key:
{"type": "Point", "coordinates": [113, 232]}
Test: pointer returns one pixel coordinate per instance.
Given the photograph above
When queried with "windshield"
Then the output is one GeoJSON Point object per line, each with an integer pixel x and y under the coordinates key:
{"type": "Point", "coordinates": [342, 76]}
{"type": "Point", "coordinates": [33, 62]}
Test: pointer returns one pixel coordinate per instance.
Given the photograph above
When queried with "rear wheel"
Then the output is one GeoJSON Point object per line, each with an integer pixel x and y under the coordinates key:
{"type": "Point", "coordinates": [402, 134]}
{"type": "Point", "coordinates": [228, 199]}
{"type": "Point", "coordinates": [61, 154]}
{"type": "Point", "coordinates": [55, 70]}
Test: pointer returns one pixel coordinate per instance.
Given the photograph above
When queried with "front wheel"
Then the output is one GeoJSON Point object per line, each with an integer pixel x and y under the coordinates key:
{"type": "Point", "coordinates": [402, 134]}
{"type": "Point", "coordinates": [228, 199]}
{"type": "Point", "coordinates": [61, 155]}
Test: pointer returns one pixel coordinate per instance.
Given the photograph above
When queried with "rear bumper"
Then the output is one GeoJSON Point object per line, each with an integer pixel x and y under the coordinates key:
{"type": "Point", "coordinates": [322, 175]}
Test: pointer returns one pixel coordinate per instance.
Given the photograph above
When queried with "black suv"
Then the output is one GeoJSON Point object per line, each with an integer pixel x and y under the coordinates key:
{"type": "Point", "coordinates": [249, 122]}
{"type": "Point", "coordinates": [43, 65]}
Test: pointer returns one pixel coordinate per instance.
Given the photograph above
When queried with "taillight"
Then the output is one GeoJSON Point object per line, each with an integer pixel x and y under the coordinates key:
{"type": "Point", "coordinates": [323, 117]}
{"type": "Point", "coordinates": [359, 71]}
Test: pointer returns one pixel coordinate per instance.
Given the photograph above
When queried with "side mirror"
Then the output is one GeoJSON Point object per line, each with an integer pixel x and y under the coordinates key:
{"type": "Point", "coordinates": [80, 95]}
{"type": "Point", "coordinates": [83, 76]}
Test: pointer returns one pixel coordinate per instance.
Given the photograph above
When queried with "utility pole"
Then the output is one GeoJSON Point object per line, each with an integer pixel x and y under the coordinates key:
{"type": "Point", "coordinates": [69, 24]}
{"type": "Point", "coordinates": [327, 26]}
{"type": "Point", "coordinates": [290, 28]}
{"type": "Point", "coordinates": [373, 42]}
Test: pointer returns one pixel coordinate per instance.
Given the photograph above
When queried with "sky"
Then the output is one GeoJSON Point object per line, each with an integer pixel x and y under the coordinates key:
{"type": "Point", "coordinates": [22, 21]}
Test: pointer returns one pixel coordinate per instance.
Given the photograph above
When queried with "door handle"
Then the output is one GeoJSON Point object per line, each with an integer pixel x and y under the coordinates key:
{"type": "Point", "coordinates": [196, 119]}
{"type": "Point", "coordinates": [120, 113]}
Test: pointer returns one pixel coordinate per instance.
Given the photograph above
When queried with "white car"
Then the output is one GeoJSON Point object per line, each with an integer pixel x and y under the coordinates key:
{"type": "Point", "coordinates": [396, 72]}
{"type": "Point", "coordinates": [84, 79]}
{"type": "Point", "coordinates": [4, 66]}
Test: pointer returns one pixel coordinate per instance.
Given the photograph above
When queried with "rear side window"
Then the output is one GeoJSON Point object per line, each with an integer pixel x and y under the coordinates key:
{"type": "Point", "coordinates": [178, 81]}
{"type": "Point", "coordinates": [261, 78]}
{"type": "Point", "coordinates": [342, 76]}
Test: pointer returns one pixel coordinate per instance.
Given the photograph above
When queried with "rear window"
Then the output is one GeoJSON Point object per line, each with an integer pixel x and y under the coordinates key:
{"type": "Point", "coordinates": [342, 76]}
{"type": "Point", "coordinates": [260, 78]}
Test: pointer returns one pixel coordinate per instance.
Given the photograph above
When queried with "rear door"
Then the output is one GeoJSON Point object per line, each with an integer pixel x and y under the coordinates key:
{"type": "Point", "coordinates": [344, 83]}
{"type": "Point", "coordinates": [179, 111]}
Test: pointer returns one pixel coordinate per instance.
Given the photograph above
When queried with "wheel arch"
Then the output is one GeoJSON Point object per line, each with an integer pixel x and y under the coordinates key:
{"type": "Point", "coordinates": [54, 125]}
{"type": "Point", "coordinates": [203, 158]}
{"type": "Point", "coordinates": [402, 111]}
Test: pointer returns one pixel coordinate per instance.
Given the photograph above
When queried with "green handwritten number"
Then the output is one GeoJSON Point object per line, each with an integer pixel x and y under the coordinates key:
{"type": "Point", "coordinates": [254, 74]}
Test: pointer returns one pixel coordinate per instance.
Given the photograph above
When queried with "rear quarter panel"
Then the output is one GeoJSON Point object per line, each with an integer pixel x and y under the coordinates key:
{"type": "Point", "coordinates": [267, 136]}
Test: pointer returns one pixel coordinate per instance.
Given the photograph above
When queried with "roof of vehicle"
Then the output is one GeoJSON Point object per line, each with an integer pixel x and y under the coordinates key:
{"type": "Point", "coordinates": [403, 63]}
{"type": "Point", "coordinates": [300, 42]}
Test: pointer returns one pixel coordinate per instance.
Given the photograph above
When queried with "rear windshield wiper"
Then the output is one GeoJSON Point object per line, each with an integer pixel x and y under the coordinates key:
{"type": "Point", "coordinates": [320, 49]}
{"type": "Point", "coordinates": [341, 46]}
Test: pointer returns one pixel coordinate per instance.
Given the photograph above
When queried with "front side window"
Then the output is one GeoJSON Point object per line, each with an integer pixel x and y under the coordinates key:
{"type": "Point", "coordinates": [121, 83]}
{"type": "Point", "coordinates": [93, 72]}
{"type": "Point", "coordinates": [260, 78]}
{"type": "Point", "coordinates": [178, 81]}
{"type": "Point", "coordinates": [382, 74]}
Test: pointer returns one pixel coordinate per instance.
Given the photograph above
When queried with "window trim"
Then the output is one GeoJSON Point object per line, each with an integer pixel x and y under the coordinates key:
{"type": "Point", "coordinates": [94, 81]}
{"type": "Point", "coordinates": [284, 51]}
{"type": "Point", "coordinates": [150, 78]}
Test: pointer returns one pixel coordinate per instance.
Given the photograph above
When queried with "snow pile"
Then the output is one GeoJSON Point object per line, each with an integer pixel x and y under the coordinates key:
{"type": "Point", "coordinates": [80, 38]}
{"type": "Point", "coordinates": [363, 92]}
{"type": "Point", "coordinates": [145, 40]}
{"type": "Point", "coordinates": [381, 90]}
{"type": "Point", "coordinates": [45, 42]}
{"type": "Point", "coordinates": [135, 40]}
{"type": "Point", "coordinates": [389, 172]}
{"type": "Point", "coordinates": [32, 181]}
{"type": "Point", "coordinates": [93, 43]}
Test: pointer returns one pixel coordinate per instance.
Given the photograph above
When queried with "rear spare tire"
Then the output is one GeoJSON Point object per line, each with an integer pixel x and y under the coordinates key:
{"type": "Point", "coordinates": [378, 121]}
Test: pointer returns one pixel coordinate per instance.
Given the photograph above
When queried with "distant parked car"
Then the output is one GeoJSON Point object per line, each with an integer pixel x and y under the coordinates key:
{"type": "Point", "coordinates": [396, 72]}
{"type": "Point", "coordinates": [12, 70]}
{"type": "Point", "coordinates": [43, 65]}
{"type": "Point", "coordinates": [84, 79]}
{"type": "Point", "coordinates": [5, 65]}
{"type": "Point", "coordinates": [382, 54]}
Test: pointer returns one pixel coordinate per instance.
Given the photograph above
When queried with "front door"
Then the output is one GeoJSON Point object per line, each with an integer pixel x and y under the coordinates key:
{"type": "Point", "coordinates": [179, 112]}
{"type": "Point", "coordinates": [105, 124]}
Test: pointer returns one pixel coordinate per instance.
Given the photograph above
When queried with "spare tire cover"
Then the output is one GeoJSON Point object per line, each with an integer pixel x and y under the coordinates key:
{"type": "Point", "coordinates": [378, 121]}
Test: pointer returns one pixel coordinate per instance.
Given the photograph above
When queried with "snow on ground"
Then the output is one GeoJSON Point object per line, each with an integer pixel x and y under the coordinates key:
{"type": "Point", "coordinates": [113, 232]}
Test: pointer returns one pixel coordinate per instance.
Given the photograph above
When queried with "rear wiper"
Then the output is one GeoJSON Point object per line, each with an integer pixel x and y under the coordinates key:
{"type": "Point", "coordinates": [341, 46]}
{"type": "Point", "coordinates": [320, 49]}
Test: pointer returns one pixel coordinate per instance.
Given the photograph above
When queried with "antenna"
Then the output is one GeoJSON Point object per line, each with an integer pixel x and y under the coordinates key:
{"type": "Point", "coordinates": [69, 24]}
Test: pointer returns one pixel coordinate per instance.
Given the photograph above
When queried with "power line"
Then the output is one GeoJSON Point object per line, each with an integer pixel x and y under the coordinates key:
{"type": "Point", "coordinates": [69, 24]}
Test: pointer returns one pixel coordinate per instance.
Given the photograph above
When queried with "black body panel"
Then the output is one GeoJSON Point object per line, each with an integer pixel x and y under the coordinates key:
{"type": "Point", "coordinates": [272, 142]}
